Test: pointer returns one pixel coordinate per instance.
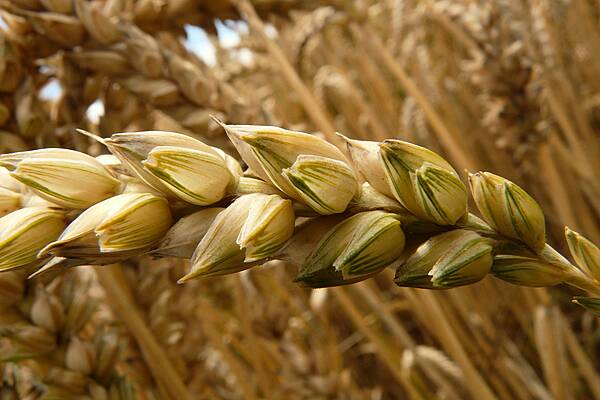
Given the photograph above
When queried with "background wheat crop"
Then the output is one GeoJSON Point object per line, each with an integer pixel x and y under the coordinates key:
{"type": "Point", "coordinates": [511, 87]}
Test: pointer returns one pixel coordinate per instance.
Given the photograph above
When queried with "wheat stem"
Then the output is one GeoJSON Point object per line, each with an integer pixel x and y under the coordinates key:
{"type": "Point", "coordinates": [384, 349]}
{"type": "Point", "coordinates": [477, 385]}
{"type": "Point", "coordinates": [445, 135]}
{"type": "Point", "coordinates": [318, 115]}
{"type": "Point", "coordinates": [120, 297]}
{"type": "Point", "coordinates": [582, 359]}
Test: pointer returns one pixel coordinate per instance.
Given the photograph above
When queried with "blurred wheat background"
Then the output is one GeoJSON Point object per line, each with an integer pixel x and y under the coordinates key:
{"type": "Point", "coordinates": [510, 86]}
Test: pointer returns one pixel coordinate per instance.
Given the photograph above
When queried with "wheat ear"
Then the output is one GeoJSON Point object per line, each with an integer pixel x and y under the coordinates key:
{"type": "Point", "coordinates": [342, 216]}
{"type": "Point", "coordinates": [44, 327]}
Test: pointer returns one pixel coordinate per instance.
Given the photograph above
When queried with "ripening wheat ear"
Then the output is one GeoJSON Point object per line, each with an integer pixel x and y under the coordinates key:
{"type": "Point", "coordinates": [358, 210]}
{"type": "Point", "coordinates": [50, 332]}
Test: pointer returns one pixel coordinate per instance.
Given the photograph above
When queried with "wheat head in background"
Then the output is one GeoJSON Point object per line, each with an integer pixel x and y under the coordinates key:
{"type": "Point", "coordinates": [509, 87]}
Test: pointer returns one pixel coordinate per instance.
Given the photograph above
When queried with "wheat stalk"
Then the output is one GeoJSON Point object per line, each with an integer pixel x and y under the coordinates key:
{"type": "Point", "coordinates": [341, 217]}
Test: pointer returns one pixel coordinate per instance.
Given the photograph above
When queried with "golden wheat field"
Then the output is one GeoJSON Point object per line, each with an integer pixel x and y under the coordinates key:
{"type": "Point", "coordinates": [286, 199]}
